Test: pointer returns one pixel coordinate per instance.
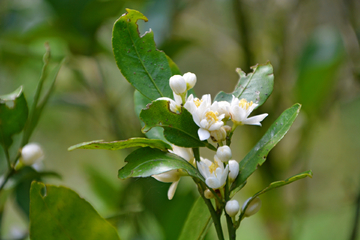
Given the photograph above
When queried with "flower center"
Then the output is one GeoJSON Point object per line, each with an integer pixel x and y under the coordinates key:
{"type": "Point", "coordinates": [213, 167]}
{"type": "Point", "coordinates": [245, 104]}
{"type": "Point", "coordinates": [198, 102]}
{"type": "Point", "coordinates": [211, 116]}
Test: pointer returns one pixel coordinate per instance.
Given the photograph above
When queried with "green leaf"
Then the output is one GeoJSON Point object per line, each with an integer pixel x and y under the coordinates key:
{"type": "Point", "coordinates": [23, 179]}
{"type": "Point", "coordinates": [13, 116]}
{"type": "Point", "coordinates": [277, 184]}
{"type": "Point", "coordinates": [117, 145]}
{"type": "Point", "coordinates": [197, 223]}
{"type": "Point", "coordinates": [140, 103]}
{"type": "Point", "coordinates": [145, 67]}
{"type": "Point", "coordinates": [60, 213]}
{"type": "Point", "coordinates": [145, 162]}
{"type": "Point", "coordinates": [256, 86]}
{"type": "Point", "coordinates": [174, 68]}
{"type": "Point", "coordinates": [257, 156]}
{"type": "Point", "coordinates": [179, 128]}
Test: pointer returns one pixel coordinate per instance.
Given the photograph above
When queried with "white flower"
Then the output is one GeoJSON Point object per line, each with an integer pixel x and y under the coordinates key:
{"type": "Point", "coordinates": [175, 175]}
{"type": "Point", "coordinates": [190, 79]}
{"type": "Point", "coordinates": [232, 208]}
{"type": "Point", "coordinates": [241, 109]}
{"type": "Point", "coordinates": [31, 153]}
{"type": "Point", "coordinates": [254, 206]}
{"type": "Point", "coordinates": [177, 84]}
{"type": "Point", "coordinates": [214, 172]}
{"type": "Point", "coordinates": [233, 170]}
{"type": "Point", "coordinates": [203, 116]}
{"type": "Point", "coordinates": [223, 153]}
{"type": "Point", "coordinates": [222, 107]}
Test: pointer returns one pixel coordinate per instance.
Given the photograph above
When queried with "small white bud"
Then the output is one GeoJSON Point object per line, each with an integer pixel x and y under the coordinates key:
{"type": "Point", "coordinates": [208, 194]}
{"type": "Point", "coordinates": [232, 208]}
{"type": "Point", "coordinates": [254, 206]}
{"type": "Point", "coordinates": [223, 153]}
{"type": "Point", "coordinates": [218, 135]}
{"type": "Point", "coordinates": [233, 170]}
{"type": "Point", "coordinates": [170, 176]}
{"type": "Point", "coordinates": [178, 84]}
{"type": "Point", "coordinates": [190, 79]}
{"type": "Point", "coordinates": [31, 153]}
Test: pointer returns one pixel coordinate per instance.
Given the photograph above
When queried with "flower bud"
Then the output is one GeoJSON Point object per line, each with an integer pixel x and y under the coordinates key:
{"type": "Point", "coordinates": [232, 208]}
{"type": "Point", "coordinates": [190, 79]}
{"type": "Point", "coordinates": [31, 153]}
{"type": "Point", "coordinates": [233, 170]}
{"type": "Point", "coordinates": [208, 194]}
{"type": "Point", "coordinates": [218, 135]}
{"type": "Point", "coordinates": [178, 84]}
{"type": "Point", "coordinates": [224, 153]}
{"type": "Point", "coordinates": [254, 206]}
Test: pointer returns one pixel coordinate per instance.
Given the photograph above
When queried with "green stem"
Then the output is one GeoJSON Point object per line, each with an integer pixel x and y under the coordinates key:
{"type": "Point", "coordinates": [230, 223]}
{"type": "Point", "coordinates": [8, 176]}
{"type": "Point", "coordinates": [196, 152]}
{"type": "Point", "coordinates": [214, 215]}
{"type": "Point", "coordinates": [7, 156]}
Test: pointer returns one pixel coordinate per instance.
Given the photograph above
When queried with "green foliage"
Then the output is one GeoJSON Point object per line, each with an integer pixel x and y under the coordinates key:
{"type": "Point", "coordinates": [256, 86]}
{"type": "Point", "coordinates": [117, 145]}
{"type": "Point", "coordinates": [277, 184]}
{"type": "Point", "coordinates": [145, 162]}
{"type": "Point", "coordinates": [257, 156]}
{"type": "Point", "coordinates": [23, 179]}
{"type": "Point", "coordinates": [197, 222]}
{"type": "Point", "coordinates": [140, 103]}
{"type": "Point", "coordinates": [145, 67]}
{"type": "Point", "coordinates": [179, 129]}
{"type": "Point", "coordinates": [318, 67]}
{"type": "Point", "coordinates": [13, 116]}
{"type": "Point", "coordinates": [60, 213]}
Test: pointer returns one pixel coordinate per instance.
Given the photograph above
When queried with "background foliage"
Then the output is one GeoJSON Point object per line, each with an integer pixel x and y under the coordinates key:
{"type": "Point", "coordinates": [313, 47]}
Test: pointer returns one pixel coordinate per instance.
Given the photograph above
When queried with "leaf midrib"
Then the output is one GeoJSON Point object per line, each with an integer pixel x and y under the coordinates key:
{"type": "Point", "coordinates": [137, 53]}
{"type": "Point", "coordinates": [250, 79]}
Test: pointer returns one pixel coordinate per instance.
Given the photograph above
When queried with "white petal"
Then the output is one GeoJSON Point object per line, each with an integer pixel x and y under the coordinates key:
{"type": "Point", "coordinates": [204, 123]}
{"type": "Point", "coordinates": [185, 153]}
{"type": "Point", "coordinates": [212, 182]}
{"type": "Point", "coordinates": [224, 176]}
{"type": "Point", "coordinates": [172, 190]}
{"type": "Point", "coordinates": [170, 176]}
{"type": "Point", "coordinates": [255, 120]}
{"type": "Point", "coordinates": [216, 126]}
{"type": "Point", "coordinates": [203, 134]}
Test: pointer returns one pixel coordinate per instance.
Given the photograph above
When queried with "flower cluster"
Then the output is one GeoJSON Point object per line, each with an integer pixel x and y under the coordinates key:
{"type": "Point", "coordinates": [212, 120]}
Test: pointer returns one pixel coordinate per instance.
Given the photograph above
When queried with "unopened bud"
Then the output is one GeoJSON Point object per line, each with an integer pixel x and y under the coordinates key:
{"type": "Point", "coordinates": [190, 79]}
{"type": "Point", "coordinates": [218, 135]}
{"type": "Point", "coordinates": [232, 208]}
{"type": "Point", "coordinates": [223, 153]}
{"type": "Point", "coordinates": [233, 170]}
{"type": "Point", "coordinates": [177, 84]}
{"type": "Point", "coordinates": [253, 207]}
{"type": "Point", "coordinates": [31, 153]}
{"type": "Point", "coordinates": [208, 194]}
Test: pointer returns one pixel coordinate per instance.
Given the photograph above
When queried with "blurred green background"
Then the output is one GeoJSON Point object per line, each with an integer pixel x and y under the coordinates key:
{"type": "Point", "coordinates": [314, 48]}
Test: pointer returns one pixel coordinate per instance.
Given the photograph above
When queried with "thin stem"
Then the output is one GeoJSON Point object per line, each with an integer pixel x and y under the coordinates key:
{"type": "Point", "coordinates": [230, 224]}
{"type": "Point", "coordinates": [355, 227]}
{"type": "Point", "coordinates": [8, 176]}
{"type": "Point", "coordinates": [7, 156]}
{"type": "Point", "coordinates": [214, 215]}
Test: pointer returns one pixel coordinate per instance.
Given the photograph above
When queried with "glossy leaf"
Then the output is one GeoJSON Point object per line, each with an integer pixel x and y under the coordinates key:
{"type": "Point", "coordinates": [140, 103]}
{"type": "Point", "coordinates": [145, 162]}
{"type": "Point", "coordinates": [256, 86]}
{"type": "Point", "coordinates": [277, 184]}
{"type": "Point", "coordinates": [13, 115]}
{"type": "Point", "coordinates": [145, 67]}
{"type": "Point", "coordinates": [117, 145]}
{"type": "Point", "coordinates": [197, 223]}
{"type": "Point", "coordinates": [60, 213]}
{"type": "Point", "coordinates": [179, 128]}
{"type": "Point", "coordinates": [257, 156]}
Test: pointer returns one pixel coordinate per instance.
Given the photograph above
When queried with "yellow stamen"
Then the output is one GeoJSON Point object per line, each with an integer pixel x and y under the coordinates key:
{"type": "Point", "coordinates": [245, 104]}
{"type": "Point", "coordinates": [211, 116]}
{"type": "Point", "coordinates": [198, 102]}
{"type": "Point", "coordinates": [213, 167]}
